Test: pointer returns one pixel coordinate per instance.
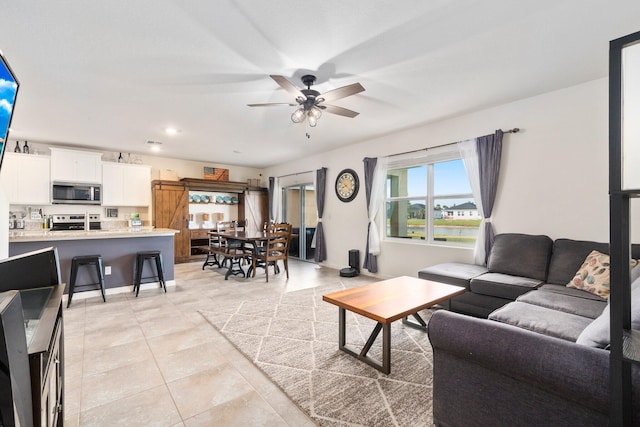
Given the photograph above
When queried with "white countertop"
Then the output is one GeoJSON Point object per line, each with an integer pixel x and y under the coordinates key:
{"type": "Point", "coordinates": [120, 233]}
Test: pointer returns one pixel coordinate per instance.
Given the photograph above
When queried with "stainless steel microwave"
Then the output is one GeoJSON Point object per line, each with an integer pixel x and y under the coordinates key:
{"type": "Point", "coordinates": [75, 194]}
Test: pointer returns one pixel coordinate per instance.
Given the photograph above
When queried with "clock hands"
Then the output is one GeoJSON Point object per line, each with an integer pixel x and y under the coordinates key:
{"type": "Point", "coordinates": [346, 186]}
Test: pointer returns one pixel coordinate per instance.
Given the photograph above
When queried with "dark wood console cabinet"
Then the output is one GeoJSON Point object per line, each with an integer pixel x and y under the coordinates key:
{"type": "Point", "coordinates": [42, 308]}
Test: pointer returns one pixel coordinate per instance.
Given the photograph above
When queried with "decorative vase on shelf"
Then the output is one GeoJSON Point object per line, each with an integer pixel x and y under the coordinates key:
{"type": "Point", "coordinates": [17, 149]}
{"type": "Point", "coordinates": [25, 149]}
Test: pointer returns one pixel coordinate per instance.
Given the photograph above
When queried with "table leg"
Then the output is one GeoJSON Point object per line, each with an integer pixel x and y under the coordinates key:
{"type": "Point", "coordinates": [342, 328]}
{"type": "Point", "coordinates": [385, 366]}
{"type": "Point", "coordinates": [419, 322]}
{"type": "Point", "coordinates": [371, 340]}
{"type": "Point", "coordinates": [234, 262]}
{"type": "Point", "coordinates": [386, 348]}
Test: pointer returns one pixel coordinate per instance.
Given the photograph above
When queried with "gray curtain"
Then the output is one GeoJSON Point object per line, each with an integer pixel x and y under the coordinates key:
{"type": "Point", "coordinates": [370, 261]}
{"type": "Point", "coordinates": [321, 247]}
{"type": "Point", "coordinates": [272, 208]}
{"type": "Point", "coordinates": [489, 155]}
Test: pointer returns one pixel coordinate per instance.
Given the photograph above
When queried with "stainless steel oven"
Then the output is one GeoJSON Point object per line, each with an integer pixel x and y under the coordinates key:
{"type": "Point", "coordinates": [75, 222]}
{"type": "Point", "coordinates": [68, 193]}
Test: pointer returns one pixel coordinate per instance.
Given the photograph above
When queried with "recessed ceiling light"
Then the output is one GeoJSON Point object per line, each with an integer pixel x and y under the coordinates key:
{"type": "Point", "coordinates": [172, 131]}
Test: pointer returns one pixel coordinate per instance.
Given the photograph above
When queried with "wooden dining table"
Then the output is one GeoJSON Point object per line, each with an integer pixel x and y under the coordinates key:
{"type": "Point", "coordinates": [249, 241]}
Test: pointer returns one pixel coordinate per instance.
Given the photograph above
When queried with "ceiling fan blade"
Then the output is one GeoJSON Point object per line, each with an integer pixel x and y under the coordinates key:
{"type": "Point", "coordinates": [342, 92]}
{"type": "Point", "coordinates": [288, 86]}
{"type": "Point", "coordinates": [272, 104]}
{"type": "Point", "coordinates": [339, 111]}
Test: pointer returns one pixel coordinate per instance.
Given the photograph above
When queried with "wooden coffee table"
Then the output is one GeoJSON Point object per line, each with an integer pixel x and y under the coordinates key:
{"type": "Point", "coordinates": [386, 302]}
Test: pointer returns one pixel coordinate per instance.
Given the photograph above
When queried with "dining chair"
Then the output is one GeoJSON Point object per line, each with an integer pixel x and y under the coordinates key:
{"type": "Point", "coordinates": [215, 247]}
{"type": "Point", "coordinates": [229, 250]}
{"type": "Point", "coordinates": [276, 248]}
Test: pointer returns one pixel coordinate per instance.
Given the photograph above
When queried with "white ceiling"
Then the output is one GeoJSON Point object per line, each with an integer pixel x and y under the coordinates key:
{"type": "Point", "coordinates": [114, 74]}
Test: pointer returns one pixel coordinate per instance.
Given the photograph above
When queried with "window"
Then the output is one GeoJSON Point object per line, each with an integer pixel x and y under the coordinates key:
{"type": "Point", "coordinates": [429, 199]}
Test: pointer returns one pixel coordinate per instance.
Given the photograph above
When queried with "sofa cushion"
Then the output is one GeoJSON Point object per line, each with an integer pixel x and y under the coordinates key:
{"type": "Point", "coordinates": [567, 257]}
{"type": "Point", "coordinates": [476, 305]}
{"type": "Point", "coordinates": [503, 285]}
{"type": "Point", "coordinates": [597, 334]}
{"type": "Point", "coordinates": [452, 273]}
{"type": "Point", "coordinates": [561, 289]}
{"type": "Point", "coordinates": [521, 255]}
{"type": "Point", "coordinates": [542, 320]}
{"type": "Point", "coordinates": [569, 304]}
{"type": "Point", "coordinates": [593, 275]}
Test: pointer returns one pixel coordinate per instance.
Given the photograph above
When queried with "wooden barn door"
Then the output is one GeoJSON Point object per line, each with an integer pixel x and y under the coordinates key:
{"type": "Point", "coordinates": [171, 210]}
{"type": "Point", "coordinates": [254, 207]}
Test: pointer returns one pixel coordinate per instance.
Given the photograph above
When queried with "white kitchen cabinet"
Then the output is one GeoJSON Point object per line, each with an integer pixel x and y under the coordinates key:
{"type": "Point", "coordinates": [126, 184]}
{"type": "Point", "coordinates": [25, 178]}
{"type": "Point", "coordinates": [76, 166]}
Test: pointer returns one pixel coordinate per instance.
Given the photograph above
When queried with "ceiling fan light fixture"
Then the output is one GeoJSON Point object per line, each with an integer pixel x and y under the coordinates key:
{"type": "Point", "coordinates": [309, 101]}
{"type": "Point", "coordinates": [312, 121]}
{"type": "Point", "coordinates": [298, 115]}
{"type": "Point", "coordinates": [315, 112]}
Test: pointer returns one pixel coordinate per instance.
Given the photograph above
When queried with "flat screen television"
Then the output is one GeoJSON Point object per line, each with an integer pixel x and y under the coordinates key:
{"type": "Point", "coordinates": [30, 270]}
{"type": "Point", "coordinates": [8, 92]}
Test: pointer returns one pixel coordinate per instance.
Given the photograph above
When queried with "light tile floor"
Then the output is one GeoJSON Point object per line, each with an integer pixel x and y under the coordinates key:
{"type": "Point", "coordinates": [155, 361]}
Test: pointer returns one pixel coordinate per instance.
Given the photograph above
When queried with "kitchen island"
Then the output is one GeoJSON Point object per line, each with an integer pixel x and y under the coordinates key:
{"type": "Point", "coordinates": [118, 248]}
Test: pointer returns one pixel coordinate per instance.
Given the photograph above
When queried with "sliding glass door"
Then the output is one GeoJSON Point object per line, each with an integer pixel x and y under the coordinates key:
{"type": "Point", "coordinates": [300, 210]}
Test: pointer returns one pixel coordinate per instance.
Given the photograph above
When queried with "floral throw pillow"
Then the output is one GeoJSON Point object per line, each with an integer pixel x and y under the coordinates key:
{"type": "Point", "coordinates": [593, 275]}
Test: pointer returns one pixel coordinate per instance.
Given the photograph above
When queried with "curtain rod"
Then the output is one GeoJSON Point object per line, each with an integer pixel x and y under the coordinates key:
{"type": "Point", "coordinates": [297, 173]}
{"type": "Point", "coordinates": [514, 130]}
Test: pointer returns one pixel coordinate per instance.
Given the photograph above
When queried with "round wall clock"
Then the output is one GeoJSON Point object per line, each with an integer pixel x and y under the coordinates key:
{"type": "Point", "coordinates": [347, 185]}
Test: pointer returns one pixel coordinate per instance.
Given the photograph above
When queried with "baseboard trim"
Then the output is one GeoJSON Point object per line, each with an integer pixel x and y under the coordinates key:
{"type": "Point", "coordinates": [118, 290]}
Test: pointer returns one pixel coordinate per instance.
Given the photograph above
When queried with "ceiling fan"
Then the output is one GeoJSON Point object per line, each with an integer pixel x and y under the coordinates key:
{"type": "Point", "coordinates": [310, 102]}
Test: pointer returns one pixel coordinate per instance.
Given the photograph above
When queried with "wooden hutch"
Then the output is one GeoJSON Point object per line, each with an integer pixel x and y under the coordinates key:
{"type": "Point", "coordinates": [171, 204]}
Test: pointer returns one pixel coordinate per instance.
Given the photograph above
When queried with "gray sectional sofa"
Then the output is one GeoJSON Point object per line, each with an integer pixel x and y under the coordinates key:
{"type": "Point", "coordinates": [540, 358]}
{"type": "Point", "coordinates": [517, 264]}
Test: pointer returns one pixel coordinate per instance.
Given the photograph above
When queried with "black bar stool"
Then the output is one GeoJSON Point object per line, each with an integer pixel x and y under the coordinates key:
{"type": "Point", "coordinates": [89, 260]}
{"type": "Point", "coordinates": [140, 258]}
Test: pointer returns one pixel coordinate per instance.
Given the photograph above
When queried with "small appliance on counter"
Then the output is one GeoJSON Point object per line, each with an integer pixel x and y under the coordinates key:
{"type": "Point", "coordinates": [16, 220]}
{"type": "Point", "coordinates": [74, 222]}
{"type": "Point", "coordinates": [134, 220]}
{"type": "Point", "coordinates": [20, 223]}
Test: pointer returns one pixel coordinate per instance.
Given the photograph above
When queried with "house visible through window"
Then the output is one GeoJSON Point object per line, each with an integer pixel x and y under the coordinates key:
{"type": "Point", "coordinates": [428, 198]}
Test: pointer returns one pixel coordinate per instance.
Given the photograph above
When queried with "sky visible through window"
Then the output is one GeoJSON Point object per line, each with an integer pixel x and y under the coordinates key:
{"type": "Point", "coordinates": [449, 178]}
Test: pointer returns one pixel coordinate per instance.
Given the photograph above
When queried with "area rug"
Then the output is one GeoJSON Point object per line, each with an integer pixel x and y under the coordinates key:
{"type": "Point", "coordinates": [293, 339]}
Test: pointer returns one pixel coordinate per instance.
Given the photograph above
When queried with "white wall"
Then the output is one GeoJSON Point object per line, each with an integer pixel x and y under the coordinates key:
{"type": "Point", "coordinates": [554, 177]}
